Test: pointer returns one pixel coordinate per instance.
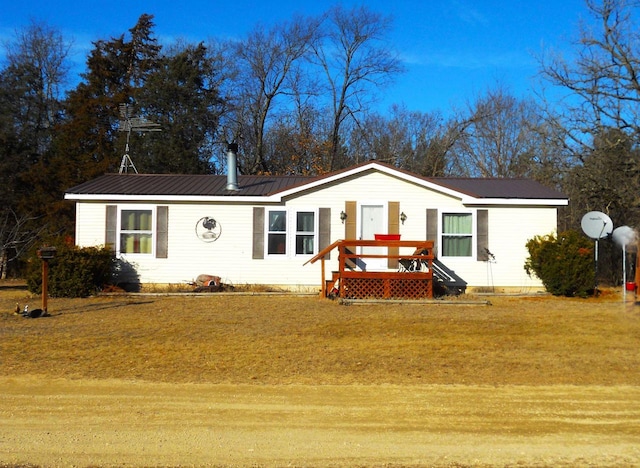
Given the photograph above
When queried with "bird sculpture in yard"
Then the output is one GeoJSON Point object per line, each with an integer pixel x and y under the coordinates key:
{"type": "Point", "coordinates": [33, 313]}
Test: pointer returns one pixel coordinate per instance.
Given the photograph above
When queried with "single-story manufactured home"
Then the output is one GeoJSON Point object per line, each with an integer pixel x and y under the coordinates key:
{"type": "Point", "coordinates": [264, 229]}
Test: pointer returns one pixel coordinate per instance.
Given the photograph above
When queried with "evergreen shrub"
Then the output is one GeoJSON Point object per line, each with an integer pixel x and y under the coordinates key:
{"type": "Point", "coordinates": [74, 272]}
{"type": "Point", "coordinates": [564, 263]}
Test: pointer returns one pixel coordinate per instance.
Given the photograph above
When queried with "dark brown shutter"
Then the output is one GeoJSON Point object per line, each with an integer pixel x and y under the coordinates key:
{"type": "Point", "coordinates": [111, 224]}
{"type": "Point", "coordinates": [324, 229]}
{"type": "Point", "coordinates": [162, 232]}
{"type": "Point", "coordinates": [432, 228]}
{"type": "Point", "coordinates": [393, 228]}
{"type": "Point", "coordinates": [258, 233]}
{"type": "Point", "coordinates": [482, 229]}
{"type": "Point", "coordinates": [350, 208]}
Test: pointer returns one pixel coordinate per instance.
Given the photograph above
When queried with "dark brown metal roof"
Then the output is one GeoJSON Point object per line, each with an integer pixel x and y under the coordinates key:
{"type": "Point", "coordinates": [263, 185]}
{"type": "Point", "coordinates": [185, 185]}
{"type": "Point", "coordinates": [499, 188]}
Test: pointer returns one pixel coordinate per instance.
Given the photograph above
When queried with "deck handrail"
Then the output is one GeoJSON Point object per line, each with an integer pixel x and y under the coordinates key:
{"type": "Point", "coordinates": [323, 252]}
{"type": "Point", "coordinates": [423, 250]}
{"type": "Point", "coordinates": [370, 243]}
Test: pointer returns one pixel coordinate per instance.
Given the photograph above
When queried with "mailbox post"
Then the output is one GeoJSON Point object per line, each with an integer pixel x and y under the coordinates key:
{"type": "Point", "coordinates": [45, 254]}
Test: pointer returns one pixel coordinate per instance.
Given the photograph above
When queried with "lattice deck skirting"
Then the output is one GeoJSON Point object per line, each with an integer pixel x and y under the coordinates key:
{"type": "Point", "coordinates": [387, 288]}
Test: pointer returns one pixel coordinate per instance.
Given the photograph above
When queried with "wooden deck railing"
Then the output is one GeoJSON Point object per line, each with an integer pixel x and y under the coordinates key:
{"type": "Point", "coordinates": [411, 279]}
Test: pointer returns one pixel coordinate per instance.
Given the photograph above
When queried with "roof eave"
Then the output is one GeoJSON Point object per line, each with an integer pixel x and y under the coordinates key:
{"type": "Point", "coordinates": [515, 201]}
{"type": "Point", "coordinates": [173, 198]}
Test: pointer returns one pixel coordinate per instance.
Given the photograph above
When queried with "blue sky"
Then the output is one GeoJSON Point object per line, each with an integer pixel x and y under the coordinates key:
{"type": "Point", "coordinates": [453, 50]}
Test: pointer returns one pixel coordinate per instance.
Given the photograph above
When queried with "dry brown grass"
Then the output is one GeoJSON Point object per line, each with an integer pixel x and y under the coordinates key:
{"type": "Point", "coordinates": [280, 340]}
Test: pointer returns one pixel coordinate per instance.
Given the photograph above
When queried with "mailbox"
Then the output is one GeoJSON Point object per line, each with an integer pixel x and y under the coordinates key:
{"type": "Point", "coordinates": [47, 253]}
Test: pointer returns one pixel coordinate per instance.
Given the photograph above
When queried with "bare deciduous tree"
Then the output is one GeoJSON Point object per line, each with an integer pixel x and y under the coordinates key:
{"type": "Point", "coordinates": [599, 120]}
{"type": "Point", "coordinates": [499, 138]}
{"type": "Point", "coordinates": [30, 87]}
{"type": "Point", "coordinates": [356, 60]}
{"type": "Point", "coordinates": [266, 60]}
{"type": "Point", "coordinates": [602, 76]}
{"type": "Point", "coordinates": [407, 139]}
{"type": "Point", "coordinates": [45, 51]}
{"type": "Point", "coordinates": [36, 71]}
{"type": "Point", "coordinates": [17, 234]}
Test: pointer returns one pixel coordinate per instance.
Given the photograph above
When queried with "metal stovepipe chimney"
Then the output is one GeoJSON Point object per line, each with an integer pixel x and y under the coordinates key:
{"type": "Point", "coordinates": [232, 166]}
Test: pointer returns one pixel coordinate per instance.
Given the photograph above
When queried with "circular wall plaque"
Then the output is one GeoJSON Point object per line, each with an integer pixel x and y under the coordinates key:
{"type": "Point", "coordinates": [208, 229]}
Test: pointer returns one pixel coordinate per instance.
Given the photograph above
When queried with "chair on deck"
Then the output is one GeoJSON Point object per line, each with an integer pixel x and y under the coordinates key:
{"type": "Point", "coordinates": [413, 264]}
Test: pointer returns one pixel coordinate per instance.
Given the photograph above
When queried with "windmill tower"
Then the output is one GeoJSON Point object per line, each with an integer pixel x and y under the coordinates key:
{"type": "Point", "coordinates": [128, 123]}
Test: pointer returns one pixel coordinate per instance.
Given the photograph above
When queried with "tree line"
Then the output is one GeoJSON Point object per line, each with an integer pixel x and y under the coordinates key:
{"type": "Point", "coordinates": [298, 97]}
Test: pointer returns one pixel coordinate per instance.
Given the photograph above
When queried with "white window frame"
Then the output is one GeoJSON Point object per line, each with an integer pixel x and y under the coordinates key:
{"type": "Point", "coordinates": [473, 235]}
{"type": "Point", "coordinates": [295, 233]}
{"type": "Point", "coordinates": [268, 232]}
{"type": "Point", "coordinates": [291, 232]}
{"type": "Point", "coordinates": [152, 232]}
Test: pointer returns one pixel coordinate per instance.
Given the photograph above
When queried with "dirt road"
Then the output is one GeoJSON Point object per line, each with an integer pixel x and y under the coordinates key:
{"type": "Point", "coordinates": [119, 423]}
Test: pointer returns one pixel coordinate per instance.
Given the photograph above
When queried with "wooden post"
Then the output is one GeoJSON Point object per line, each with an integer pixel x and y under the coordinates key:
{"type": "Point", "coordinates": [341, 266]}
{"type": "Point", "coordinates": [45, 285]}
{"type": "Point", "coordinates": [45, 254]}
{"type": "Point", "coordinates": [637, 275]}
{"type": "Point", "coordinates": [323, 291]}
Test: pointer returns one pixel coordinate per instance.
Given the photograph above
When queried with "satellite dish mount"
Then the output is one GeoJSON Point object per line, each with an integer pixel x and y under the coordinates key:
{"type": "Point", "coordinates": [596, 225]}
{"type": "Point", "coordinates": [623, 236]}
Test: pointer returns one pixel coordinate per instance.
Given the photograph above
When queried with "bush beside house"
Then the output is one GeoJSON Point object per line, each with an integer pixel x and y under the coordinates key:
{"type": "Point", "coordinates": [73, 272]}
{"type": "Point", "coordinates": [563, 262]}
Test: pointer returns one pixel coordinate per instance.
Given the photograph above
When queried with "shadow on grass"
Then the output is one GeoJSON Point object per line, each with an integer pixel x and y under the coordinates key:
{"type": "Point", "coordinates": [10, 286]}
{"type": "Point", "coordinates": [95, 307]}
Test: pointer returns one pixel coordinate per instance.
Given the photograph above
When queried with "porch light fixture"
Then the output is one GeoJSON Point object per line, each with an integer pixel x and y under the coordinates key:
{"type": "Point", "coordinates": [343, 216]}
{"type": "Point", "coordinates": [403, 217]}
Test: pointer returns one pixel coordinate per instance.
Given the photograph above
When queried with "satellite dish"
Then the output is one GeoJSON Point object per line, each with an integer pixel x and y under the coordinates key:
{"type": "Point", "coordinates": [596, 224]}
{"type": "Point", "coordinates": [623, 236]}
{"type": "Point", "coordinates": [208, 229]}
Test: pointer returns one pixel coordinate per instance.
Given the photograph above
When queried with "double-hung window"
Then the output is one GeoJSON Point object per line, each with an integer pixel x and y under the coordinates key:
{"type": "Point", "coordinates": [457, 234]}
{"type": "Point", "coordinates": [305, 232]}
{"type": "Point", "coordinates": [277, 233]}
{"type": "Point", "coordinates": [136, 231]}
{"type": "Point", "coordinates": [291, 232]}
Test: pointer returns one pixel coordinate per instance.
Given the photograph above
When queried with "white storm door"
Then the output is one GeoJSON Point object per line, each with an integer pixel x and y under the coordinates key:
{"type": "Point", "coordinates": [371, 223]}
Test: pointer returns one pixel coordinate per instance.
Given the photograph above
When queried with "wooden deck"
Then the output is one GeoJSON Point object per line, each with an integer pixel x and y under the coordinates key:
{"type": "Point", "coordinates": [406, 276]}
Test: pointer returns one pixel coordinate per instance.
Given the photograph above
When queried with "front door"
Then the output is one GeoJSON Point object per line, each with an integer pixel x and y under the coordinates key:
{"type": "Point", "coordinates": [371, 223]}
